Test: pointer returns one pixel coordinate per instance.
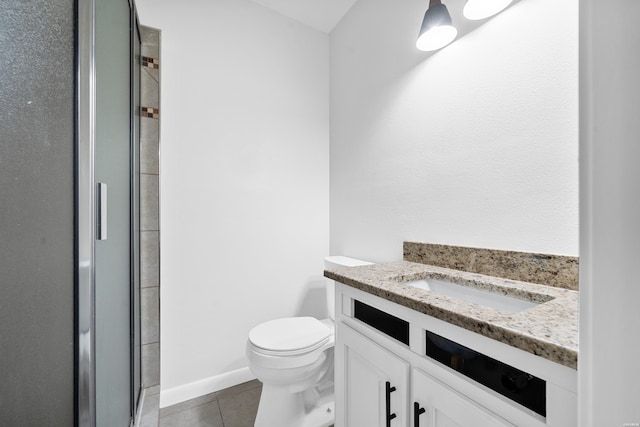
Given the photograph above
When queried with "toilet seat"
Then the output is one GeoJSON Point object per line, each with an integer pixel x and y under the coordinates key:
{"type": "Point", "coordinates": [289, 336]}
{"type": "Point", "coordinates": [289, 342]}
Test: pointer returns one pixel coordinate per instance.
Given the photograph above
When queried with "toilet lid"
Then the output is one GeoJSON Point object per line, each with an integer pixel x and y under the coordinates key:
{"type": "Point", "coordinates": [289, 334]}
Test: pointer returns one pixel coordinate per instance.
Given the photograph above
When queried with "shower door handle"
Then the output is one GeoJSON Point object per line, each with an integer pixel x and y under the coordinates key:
{"type": "Point", "coordinates": [102, 211]}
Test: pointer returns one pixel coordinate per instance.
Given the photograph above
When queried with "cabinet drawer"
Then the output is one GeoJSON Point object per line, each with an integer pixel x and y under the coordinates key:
{"type": "Point", "coordinates": [445, 407]}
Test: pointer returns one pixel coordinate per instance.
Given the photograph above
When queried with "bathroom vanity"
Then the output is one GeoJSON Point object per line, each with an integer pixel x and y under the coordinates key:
{"type": "Point", "coordinates": [422, 345]}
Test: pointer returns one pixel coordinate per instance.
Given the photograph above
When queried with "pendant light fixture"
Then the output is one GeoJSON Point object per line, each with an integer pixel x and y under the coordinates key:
{"type": "Point", "coordinates": [481, 9]}
{"type": "Point", "coordinates": [437, 30]}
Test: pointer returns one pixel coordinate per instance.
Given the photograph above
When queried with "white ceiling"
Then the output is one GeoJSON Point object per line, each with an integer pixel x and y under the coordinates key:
{"type": "Point", "coordinates": [322, 15]}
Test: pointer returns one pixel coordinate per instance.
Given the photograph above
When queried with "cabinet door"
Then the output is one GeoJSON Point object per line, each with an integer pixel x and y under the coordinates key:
{"type": "Point", "coordinates": [445, 407]}
{"type": "Point", "coordinates": [375, 384]}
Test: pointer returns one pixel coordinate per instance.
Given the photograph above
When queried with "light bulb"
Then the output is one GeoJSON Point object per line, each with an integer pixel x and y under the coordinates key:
{"type": "Point", "coordinates": [437, 29]}
{"type": "Point", "coordinates": [436, 38]}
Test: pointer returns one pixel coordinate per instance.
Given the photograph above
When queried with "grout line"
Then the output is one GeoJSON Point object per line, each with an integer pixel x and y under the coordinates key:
{"type": "Point", "coordinates": [220, 411]}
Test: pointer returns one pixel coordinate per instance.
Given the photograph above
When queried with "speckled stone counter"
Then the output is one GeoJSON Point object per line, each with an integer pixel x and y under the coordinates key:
{"type": "Point", "coordinates": [553, 270]}
{"type": "Point", "coordinates": [548, 330]}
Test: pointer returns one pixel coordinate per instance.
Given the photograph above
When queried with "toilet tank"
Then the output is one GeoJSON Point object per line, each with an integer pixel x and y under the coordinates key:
{"type": "Point", "coordinates": [330, 263]}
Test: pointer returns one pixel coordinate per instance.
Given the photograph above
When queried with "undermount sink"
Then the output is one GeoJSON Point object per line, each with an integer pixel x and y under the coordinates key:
{"type": "Point", "coordinates": [499, 302]}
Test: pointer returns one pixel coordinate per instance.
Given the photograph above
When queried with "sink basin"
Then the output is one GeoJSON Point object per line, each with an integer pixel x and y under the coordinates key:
{"type": "Point", "coordinates": [499, 302]}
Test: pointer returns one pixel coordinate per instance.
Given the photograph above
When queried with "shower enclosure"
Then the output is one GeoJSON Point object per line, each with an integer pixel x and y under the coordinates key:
{"type": "Point", "coordinates": [69, 213]}
{"type": "Point", "coordinates": [108, 213]}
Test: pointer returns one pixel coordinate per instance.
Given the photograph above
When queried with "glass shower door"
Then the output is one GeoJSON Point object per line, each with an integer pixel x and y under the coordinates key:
{"type": "Point", "coordinates": [117, 315]}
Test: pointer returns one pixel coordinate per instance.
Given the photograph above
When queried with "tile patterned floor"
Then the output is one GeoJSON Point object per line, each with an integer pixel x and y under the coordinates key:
{"type": "Point", "coordinates": [232, 407]}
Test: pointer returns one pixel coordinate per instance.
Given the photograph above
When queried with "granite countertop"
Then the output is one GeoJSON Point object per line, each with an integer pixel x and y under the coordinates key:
{"type": "Point", "coordinates": [548, 330]}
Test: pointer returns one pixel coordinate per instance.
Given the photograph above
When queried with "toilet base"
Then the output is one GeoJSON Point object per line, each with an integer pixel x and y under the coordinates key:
{"type": "Point", "coordinates": [279, 407]}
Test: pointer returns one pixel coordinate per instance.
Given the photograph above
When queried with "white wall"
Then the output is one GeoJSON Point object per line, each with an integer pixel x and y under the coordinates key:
{"type": "Point", "coordinates": [244, 182]}
{"type": "Point", "coordinates": [609, 374]}
{"type": "Point", "coordinates": [476, 145]}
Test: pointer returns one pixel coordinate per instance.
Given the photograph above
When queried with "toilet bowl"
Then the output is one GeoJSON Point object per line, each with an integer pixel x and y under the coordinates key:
{"type": "Point", "coordinates": [293, 358]}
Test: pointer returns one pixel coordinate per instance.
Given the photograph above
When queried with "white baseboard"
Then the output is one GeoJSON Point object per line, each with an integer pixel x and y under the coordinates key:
{"type": "Point", "coordinates": [205, 386]}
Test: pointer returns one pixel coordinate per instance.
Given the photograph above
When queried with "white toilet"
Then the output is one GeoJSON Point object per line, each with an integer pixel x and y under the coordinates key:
{"type": "Point", "coordinates": [293, 357]}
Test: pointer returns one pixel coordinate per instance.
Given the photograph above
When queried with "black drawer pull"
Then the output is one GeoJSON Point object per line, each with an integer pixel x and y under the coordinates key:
{"type": "Point", "coordinates": [389, 390]}
{"type": "Point", "coordinates": [417, 411]}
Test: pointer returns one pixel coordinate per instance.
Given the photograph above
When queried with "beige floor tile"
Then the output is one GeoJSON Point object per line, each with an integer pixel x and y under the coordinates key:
{"type": "Point", "coordinates": [183, 406]}
{"type": "Point", "coordinates": [238, 389]}
{"type": "Point", "coordinates": [207, 415]}
{"type": "Point", "coordinates": [149, 415]}
{"type": "Point", "coordinates": [239, 410]}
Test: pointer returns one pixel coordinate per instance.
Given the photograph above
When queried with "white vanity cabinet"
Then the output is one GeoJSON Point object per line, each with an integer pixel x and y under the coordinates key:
{"type": "Point", "coordinates": [435, 404]}
{"type": "Point", "coordinates": [381, 381]}
{"type": "Point", "coordinates": [377, 393]}
{"type": "Point", "coordinates": [376, 384]}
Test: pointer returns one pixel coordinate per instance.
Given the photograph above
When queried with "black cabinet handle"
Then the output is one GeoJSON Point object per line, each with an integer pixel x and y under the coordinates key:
{"type": "Point", "coordinates": [417, 411]}
{"type": "Point", "coordinates": [389, 390]}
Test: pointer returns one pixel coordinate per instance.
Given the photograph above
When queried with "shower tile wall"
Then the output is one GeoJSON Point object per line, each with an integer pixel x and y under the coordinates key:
{"type": "Point", "coordinates": [149, 222]}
